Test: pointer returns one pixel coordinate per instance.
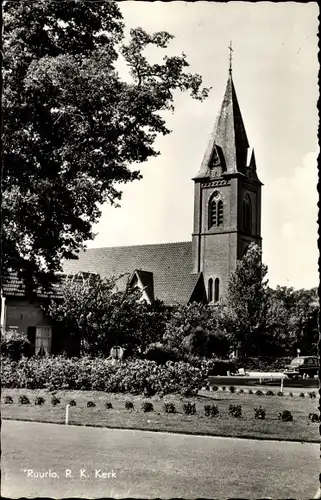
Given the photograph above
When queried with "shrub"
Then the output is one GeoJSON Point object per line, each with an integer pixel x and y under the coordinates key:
{"type": "Point", "coordinates": [259, 413]}
{"type": "Point", "coordinates": [108, 405]}
{"type": "Point", "coordinates": [286, 416]}
{"type": "Point", "coordinates": [24, 400]}
{"type": "Point", "coordinates": [280, 393]}
{"type": "Point", "coordinates": [129, 405]}
{"type": "Point", "coordinates": [147, 406]}
{"type": "Point", "coordinates": [314, 417]}
{"type": "Point", "coordinates": [8, 400]}
{"type": "Point", "coordinates": [259, 393]}
{"type": "Point", "coordinates": [223, 388]}
{"type": "Point", "coordinates": [217, 366]}
{"type": "Point", "coordinates": [214, 387]}
{"type": "Point", "coordinates": [160, 353]}
{"type": "Point", "coordinates": [72, 402]}
{"type": "Point", "coordinates": [291, 394]}
{"type": "Point", "coordinates": [235, 411]}
{"type": "Point", "coordinates": [90, 404]}
{"type": "Point", "coordinates": [232, 389]}
{"type": "Point", "coordinates": [39, 400]}
{"type": "Point", "coordinates": [211, 410]}
{"type": "Point", "coordinates": [312, 394]}
{"type": "Point", "coordinates": [55, 401]}
{"type": "Point", "coordinates": [137, 377]}
{"type": "Point", "coordinates": [14, 345]}
{"type": "Point", "coordinates": [169, 408]}
{"type": "Point", "coordinates": [189, 408]}
{"type": "Point", "coordinates": [263, 363]}
{"type": "Point", "coordinates": [241, 391]}
{"type": "Point", "coordinates": [302, 395]}
{"type": "Point", "coordinates": [250, 391]}
{"type": "Point", "coordinates": [269, 393]}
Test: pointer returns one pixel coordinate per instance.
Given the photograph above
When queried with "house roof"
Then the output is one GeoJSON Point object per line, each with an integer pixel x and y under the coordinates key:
{"type": "Point", "coordinates": [170, 263]}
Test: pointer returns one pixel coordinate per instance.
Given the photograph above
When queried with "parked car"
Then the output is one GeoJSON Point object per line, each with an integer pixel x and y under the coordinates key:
{"type": "Point", "coordinates": [302, 365]}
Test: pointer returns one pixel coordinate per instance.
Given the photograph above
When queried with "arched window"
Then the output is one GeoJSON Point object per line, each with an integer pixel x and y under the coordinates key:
{"type": "Point", "coordinates": [210, 290]}
{"type": "Point", "coordinates": [247, 214]}
{"type": "Point", "coordinates": [217, 290]}
{"type": "Point", "coordinates": [215, 211]}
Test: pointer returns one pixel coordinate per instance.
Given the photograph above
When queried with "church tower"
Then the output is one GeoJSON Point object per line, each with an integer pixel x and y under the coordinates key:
{"type": "Point", "coordinates": [227, 200]}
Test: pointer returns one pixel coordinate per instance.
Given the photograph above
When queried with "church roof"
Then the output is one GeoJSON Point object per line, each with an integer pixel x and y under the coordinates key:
{"type": "Point", "coordinates": [229, 135]}
{"type": "Point", "coordinates": [170, 263]}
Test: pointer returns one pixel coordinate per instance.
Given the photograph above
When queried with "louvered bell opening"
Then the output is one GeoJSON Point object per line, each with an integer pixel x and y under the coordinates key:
{"type": "Point", "coordinates": [220, 213]}
{"type": "Point", "coordinates": [213, 214]}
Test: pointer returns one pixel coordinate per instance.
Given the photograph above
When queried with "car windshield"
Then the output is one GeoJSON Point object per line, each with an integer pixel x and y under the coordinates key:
{"type": "Point", "coordinates": [297, 362]}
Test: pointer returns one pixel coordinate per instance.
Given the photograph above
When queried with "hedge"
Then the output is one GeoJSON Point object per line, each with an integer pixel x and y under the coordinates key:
{"type": "Point", "coordinates": [136, 377]}
{"type": "Point", "coordinates": [263, 363]}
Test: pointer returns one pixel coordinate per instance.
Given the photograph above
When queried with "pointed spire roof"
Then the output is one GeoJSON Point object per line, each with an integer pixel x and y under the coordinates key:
{"type": "Point", "coordinates": [228, 135]}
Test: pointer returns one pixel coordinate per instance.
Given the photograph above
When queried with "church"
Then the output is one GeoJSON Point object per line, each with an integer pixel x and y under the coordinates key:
{"type": "Point", "coordinates": [227, 218]}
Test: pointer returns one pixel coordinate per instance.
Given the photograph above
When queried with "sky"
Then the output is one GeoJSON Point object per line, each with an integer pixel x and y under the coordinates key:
{"type": "Point", "coordinates": [275, 70]}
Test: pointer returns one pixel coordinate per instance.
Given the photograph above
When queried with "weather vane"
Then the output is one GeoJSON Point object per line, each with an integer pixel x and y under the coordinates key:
{"type": "Point", "coordinates": [231, 50]}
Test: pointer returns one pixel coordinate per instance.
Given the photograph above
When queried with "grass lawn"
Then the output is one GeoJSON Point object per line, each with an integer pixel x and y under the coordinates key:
{"type": "Point", "coordinates": [301, 429]}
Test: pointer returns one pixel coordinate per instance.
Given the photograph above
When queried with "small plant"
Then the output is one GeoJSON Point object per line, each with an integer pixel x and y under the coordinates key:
{"type": "Point", "coordinates": [72, 402]}
{"type": "Point", "coordinates": [211, 410]}
{"type": "Point", "coordinates": [235, 411]}
{"type": "Point", "coordinates": [108, 405]}
{"type": "Point", "coordinates": [129, 405]}
{"type": "Point", "coordinates": [291, 394]}
{"type": "Point", "coordinates": [280, 393]}
{"type": "Point", "coordinates": [214, 388]}
{"type": "Point", "coordinates": [223, 388]}
{"type": "Point", "coordinates": [147, 406]}
{"type": "Point", "coordinates": [314, 417]}
{"type": "Point", "coordinates": [189, 408]}
{"type": "Point", "coordinates": [232, 389]}
{"type": "Point", "coordinates": [312, 394]}
{"type": "Point", "coordinates": [39, 400]}
{"type": "Point", "coordinates": [259, 393]}
{"type": "Point", "coordinates": [259, 413]}
{"type": "Point", "coordinates": [250, 391]}
{"type": "Point", "coordinates": [169, 408]}
{"type": "Point", "coordinates": [241, 391]}
{"type": "Point", "coordinates": [286, 416]}
{"type": "Point", "coordinates": [90, 404]}
{"type": "Point", "coordinates": [55, 401]}
{"type": "Point", "coordinates": [8, 400]}
{"type": "Point", "coordinates": [269, 393]}
{"type": "Point", "coordinates": [24, 400]}
{"type": "Point", "coordinates": [302, 395]}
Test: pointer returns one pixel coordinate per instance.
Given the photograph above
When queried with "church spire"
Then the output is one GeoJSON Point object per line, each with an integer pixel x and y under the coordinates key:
{"type": "Point", "coordinates": [231, 50]}
{"type": "Point", "coordinates": [229, 139]}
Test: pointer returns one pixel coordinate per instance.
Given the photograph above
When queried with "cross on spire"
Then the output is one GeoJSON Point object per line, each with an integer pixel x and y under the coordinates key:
{"type": "Point", "coordinates": [231, 50]}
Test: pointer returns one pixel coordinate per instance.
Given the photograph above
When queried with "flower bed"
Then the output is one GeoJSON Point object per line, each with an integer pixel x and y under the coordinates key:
{"type": "Point", "coordinates": [205, 415]}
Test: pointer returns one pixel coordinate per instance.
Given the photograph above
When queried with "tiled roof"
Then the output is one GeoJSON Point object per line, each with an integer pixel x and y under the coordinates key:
{"type": "Point", "coordinates": [170, 263]}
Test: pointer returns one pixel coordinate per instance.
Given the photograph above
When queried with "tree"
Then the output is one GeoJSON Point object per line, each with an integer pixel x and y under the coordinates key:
{"type": "Point", "coordinates": [246, 304]}
{"type": "Point", "coordinates": [298, 323]}
{"type": "Point", "coordinates": [73, 128]}
{"type": "Point", "coordinates": [194, 329]}
{"type": "Point", "coordinates": [95, 315]}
